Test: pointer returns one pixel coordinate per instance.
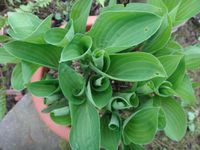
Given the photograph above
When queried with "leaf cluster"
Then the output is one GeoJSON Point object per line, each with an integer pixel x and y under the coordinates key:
{"type": "Point", "coordinates": [129, 44]}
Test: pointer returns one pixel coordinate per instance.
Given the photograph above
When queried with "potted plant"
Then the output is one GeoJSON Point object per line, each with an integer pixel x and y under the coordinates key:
{"type": "Point", "coordinates": [116, 85]}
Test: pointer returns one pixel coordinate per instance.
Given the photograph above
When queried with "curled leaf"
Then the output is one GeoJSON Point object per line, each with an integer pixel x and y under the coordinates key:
{"type": "Point", "coordinates": [77, 48]}
{"type": "Point", "coordinates": [165, 89]}
{"type": "Point", "coordinates": [99, 91]}
{"type": "Point", "coordinates": [144, 88]}
{"type": "Point", "coordinates": [60, 37]}
{"type": "Point", "coordinates": [123, 101]}
{"type": "Point", "coordinates": [101, 60]}
{"type": "Point", "coordinates": [114, 123]}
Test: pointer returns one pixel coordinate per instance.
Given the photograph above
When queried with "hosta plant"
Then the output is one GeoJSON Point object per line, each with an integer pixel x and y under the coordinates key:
{"type": "Point", "coordinates": [116, 85]}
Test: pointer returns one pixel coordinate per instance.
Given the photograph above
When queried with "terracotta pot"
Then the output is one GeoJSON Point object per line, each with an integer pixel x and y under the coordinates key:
{"type": "Point", "coordinates": [61, 131]}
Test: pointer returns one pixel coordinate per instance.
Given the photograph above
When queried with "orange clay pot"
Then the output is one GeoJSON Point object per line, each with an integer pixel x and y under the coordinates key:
{"type": "Point", "coordinates": [61, 131]}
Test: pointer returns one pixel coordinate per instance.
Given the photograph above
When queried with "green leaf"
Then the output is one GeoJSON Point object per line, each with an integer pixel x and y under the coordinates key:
{"type": "Point", "coordinates": [4, 38]}
{"type": "Point", "coordinates": [85, 131]}
{"type": "Point", "coordinates": [59, 103]}
{"type": "Point", "coordinates": [114, 123]}
{"type": "Point", "coordinates": [172, 47]}
{"type": "Point", "coordinates": [171, 4]}
{"type": "Point", "coordinates": [162, 87]}
{"type": "Point", "coordinates": [79, 14]}
{"type": "Point", "coordinates": [196, 84]}
{"type": "Point", "coordinates": [161, 120]}
{"type": "Point", "coordinates": [161, 38]}
{"type": "Point", "coordinates": [28, 27]}
{"type": "Point", "coordinates": [17, 81]}
{"type": "Point", "coordinates": [112, 2]}
{"type": "Point", "coordinates": [101, 60]}
{"type": "Point", "coordinates": [177, 77]}
{"type": "Point", "coordinates": [135, 7]}
{"type": "Point", "coordinates": [169, 7]}
{"type": "Point", "coordinates": [28, 69]}
{"type": "Point", "coordinates": [37, 36]}
{"type": "Point", "coordinates": [158, 3]}
{"type": "Point", "coordinates": [184, 13]}
{"type": "Point", "coordinates": [61, 111]}
{"type": "Point", "coordinates": [99, 91]}
{"type": "Point", "coordinates": [62, 120]}
{"type": "Point", "coordinates": [72, 84]}
{"type": "Point", "coordinates": [77, 48]}
{"type": "Point", "coordinates": [192, 57]}
{"type": "Point", "coordinates": [176, 120]}
{"type": "Point", "coordinates": [43, 88]}
{"type": "Point", "coordinates": [112, 28]}
{"type": "Point", "coordinates": [141, 127]}
{"type": "Point", "coordinates": [109, 138]}
{"type": "Point", "coordinates": [2, 21]}
{"type": "Point", "coordinates": [144, 66]}
{"type": "Point", "coordinates": [185, 91]}
{"type": "Point", "coordinates": [170, 63]}
{"type": "Point", "coordinates": [165, 89]}
{"type": "Point", "coordinates": [146, 87]}
{"type": "Point", "coordinates": [3, 108]}
{"type": "Point", "coordinates": [173, 7]}
{"type": "Point", "coordinates": [52, 98]}
{"type": "Point", "coordinates": [133, 146]}
{"type": "Point", "coordinates": [122, 101]}
{"type": "Point", "coordinates": [60, 37]}
{"type": "Point", "coordinates": [22, 74]}
{"type": "Point", "coordinates": [6, 58]}
{"type": "Point", "coordinates": [61, 116]}
{"type": "Point", "coordinates": [102, 2]}
{"type": "Point", "coordinates": [41, 54]}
